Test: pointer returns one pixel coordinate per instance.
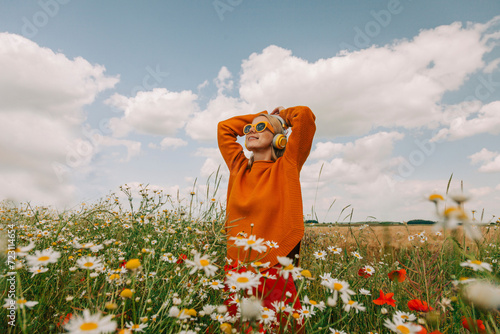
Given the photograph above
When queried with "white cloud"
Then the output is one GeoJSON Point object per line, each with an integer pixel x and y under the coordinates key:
{"type": "Point", "coordinates": [223, 81]}
{"type": "Point", "coordinates": [364, 159]}
{"type": "Point", "coordinates": [490, 161]}
{"type": "Point", "coordinates": [171, 142]}
{"type": "Point", "coordinates": [202, 125]}
{"type": "Point", "coordinates": [213, 162]}
{"type": "Point", "coordinates": [485, 121]}
{"type": "Point", "coordinates": [155, 112]}
{"type": "Point", "coordinates": [41, 98]}
{"type": "Point", "coordinates": [394, 85]}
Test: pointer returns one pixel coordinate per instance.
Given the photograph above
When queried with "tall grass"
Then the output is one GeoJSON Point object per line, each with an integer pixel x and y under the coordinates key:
{"type": "Point", "coordinates": [163, 231]}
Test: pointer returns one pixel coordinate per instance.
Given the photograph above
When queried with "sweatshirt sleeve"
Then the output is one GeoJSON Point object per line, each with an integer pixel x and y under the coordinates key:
{"type": "Point", "coordinates": [227, 134]}
{"type": "Point", "coordinates": [302, 121]}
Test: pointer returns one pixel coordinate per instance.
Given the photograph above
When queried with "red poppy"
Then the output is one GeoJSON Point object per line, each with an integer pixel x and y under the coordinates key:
{"type": "Point", "coordinates": [419, 305]}
{"type": "Point", "coordinates": [422, 330]}
{"type": "Point", "coordinates": [477, 325]}
{"type": "Point", "coordinates": [123, 263]}
{"type": "Point", "coordinates": [64, 321]}
{"type": "Point", "coordinates": [181, 258]}
{"type": "Point", "coordinates": [400, 275]}
{"type": "Point", "coordinates": [385, 299]}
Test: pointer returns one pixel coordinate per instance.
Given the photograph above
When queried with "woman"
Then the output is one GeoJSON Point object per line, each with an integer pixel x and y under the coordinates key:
{"type": "Point", "coordinates": [264, 196]}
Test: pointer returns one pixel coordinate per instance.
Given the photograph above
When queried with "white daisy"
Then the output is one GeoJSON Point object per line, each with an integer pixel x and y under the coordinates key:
{"type": "Point", "coordinates": [90, 324]}
{"type": "Point", "coordinates": [136, 327]}
{"type": "Point", "coordinates": [404, 316]}
{"type": "Point", "coordinates": [89, 262]}
{"type": "Point", "coordinates": [477, 265]}
{"type": "Point", "coordinates": [202, 263]}
{"type": "Point", "coordinates": [287, 267]}
{"type": "Point", "coordinates": [320, 255]}
{"type": "Point", "coordinates": [243, 281]}
{"type": "Point", "coordinates": [20, 303]}
{"type": "Point", "coordinates": [43, 257]}
{"type": "Point", "coordinates": [400, 327]}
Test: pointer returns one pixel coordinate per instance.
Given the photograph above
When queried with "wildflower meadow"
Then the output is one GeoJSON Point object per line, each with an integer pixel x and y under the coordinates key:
{"type": "Point", "coordinates": [157, 265]}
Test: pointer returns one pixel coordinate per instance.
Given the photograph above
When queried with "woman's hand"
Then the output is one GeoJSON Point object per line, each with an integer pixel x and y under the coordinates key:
{"type": "Point", "coordinates": [277, 110]}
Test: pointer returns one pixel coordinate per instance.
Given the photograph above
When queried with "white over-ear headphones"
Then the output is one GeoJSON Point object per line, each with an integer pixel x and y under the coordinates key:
{"type": "Point", "coordinates": [280, 140]}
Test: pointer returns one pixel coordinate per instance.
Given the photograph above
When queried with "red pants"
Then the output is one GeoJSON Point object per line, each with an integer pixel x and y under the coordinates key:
{"type": "Point", "coordinates": [270, 291]}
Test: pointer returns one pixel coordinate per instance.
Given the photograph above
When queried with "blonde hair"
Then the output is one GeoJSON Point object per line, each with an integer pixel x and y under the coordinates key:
{"type": "Point", "coordinates": [278, 129]}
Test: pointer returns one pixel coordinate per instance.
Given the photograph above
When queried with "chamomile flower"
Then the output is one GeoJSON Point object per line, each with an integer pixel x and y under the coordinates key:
{"type": "Point", "coordinates": [320, 255]}
{"type": "Point", "coordinates": [37, 270]}
{"type": "Point", "coordinates": [251, 243]}
{"type": "Point", "coordinates": [336, 331]}
{"type": "Point", "coordinates": [19, 303]}
{"type": "Point", "coordinates": [43, 257]}
{"type": "Point", "coordinates": [314, 304]}
{"type": "Point", "coordinates": [169, 257]}
{"type": "Point", "coordinates": [272, 244]}
{"type": "Point", "coordinates": [244, 280]}
{"type": "Point", "coordinates": [89, 262]}
{"type": "Point", "coordinates": [288, 267]}
{"type": "Point", "coordinates": [216, 284]}
{"type": "Point", "coordinates": [357, 255]}
{"type": "Point", "coordinates": [401, 327]}
{"type": "Point", "coordinates": [201, 263]}
{"type": "Point", "coordinates": [136, 327]}
{"type": "Point", "coordinates": [90, 324]}
{"type": "Point", "coordinates": [477, 265]}
{"type": "Point", "coordinates": [351, 304]}
{"type": "Point", "coordinates": [404, 316]}
{"type": "Point", "coordinates": [23, 251]}
{"type": "Point", "coordinates": [306, 312]}
{"type": "Point", "coordinates": [335, 250]}
{"type": "Point", "coordinates": [267, 316]}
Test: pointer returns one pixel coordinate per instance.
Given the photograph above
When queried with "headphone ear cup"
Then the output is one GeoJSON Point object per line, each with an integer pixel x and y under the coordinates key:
{"type": "Point", "coordinates": [279, 141]}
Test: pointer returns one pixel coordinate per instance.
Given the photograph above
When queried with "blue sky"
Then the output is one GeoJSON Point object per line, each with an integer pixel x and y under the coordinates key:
{"type": "Point", "coordinates": [387, 80]}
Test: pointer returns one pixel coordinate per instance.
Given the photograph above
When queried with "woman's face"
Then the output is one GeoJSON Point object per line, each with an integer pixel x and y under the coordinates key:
{"type": "Point", "coordinates": [259, 140]}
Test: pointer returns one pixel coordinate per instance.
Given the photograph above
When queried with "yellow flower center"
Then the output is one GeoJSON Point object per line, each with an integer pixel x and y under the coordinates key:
{"type": "Point", "coordinates": [337, 286]}
{"type": "Point", "coordinates": [250, 242]}
{"type": "Point", "coordinates": [21, 301]}
{"type": "Point", "coordinates": [88, 264]}
{"type": "Point", "coordinates": [257, 263]}
{"type": "Point", "coordinates": [435, 197]}
{"type": "Point", "coordinates": [476, 262]}
{"type": "Point", "coordinates": [289, 267]}
{"type": "Point", "coordinates": [403, 329]}
{"type": "Point", "coordinates": [133, 264]}
{"type": "Point", "coordinates": [242, 279]}
{"type": "Point", "coordinates": [404, 316]}
{"type": "Point", "coordinates": [350, 302]}
{"type": "Point", "coordinates": [135, 327]}
{"type": "Point", "coordinates": [265, 316]}
{"type": "Point", "coordinates": [204, 262]}
{"type": "Point", "coordinates": [43, 258]}
{"type": "Point", "coordinates": [88, 326]}
{"type": "Point", "coordinates": [312, 302]}
{"type": "Point", "coordinates": [215, 283]}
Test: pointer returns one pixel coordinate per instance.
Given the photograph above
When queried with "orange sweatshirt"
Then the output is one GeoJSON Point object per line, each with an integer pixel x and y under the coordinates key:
{"type": "Point", "coordinates": [268, 195]}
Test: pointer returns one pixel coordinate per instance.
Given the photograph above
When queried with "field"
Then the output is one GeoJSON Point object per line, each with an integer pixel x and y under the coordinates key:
{"type": "Point", "coordinates": [157, 267]}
